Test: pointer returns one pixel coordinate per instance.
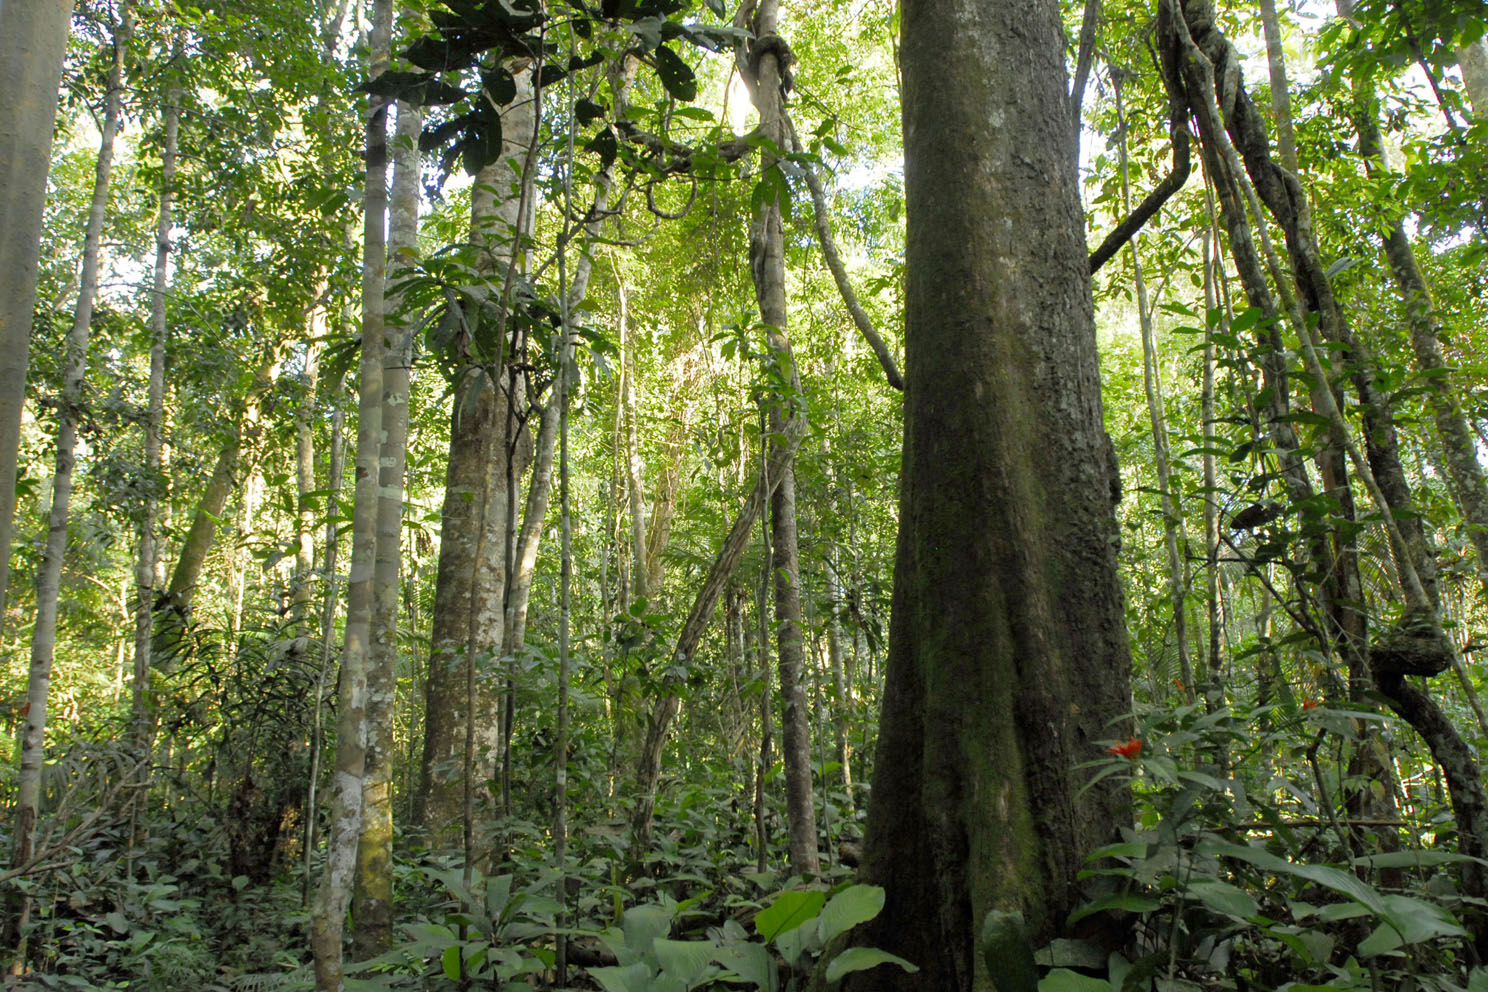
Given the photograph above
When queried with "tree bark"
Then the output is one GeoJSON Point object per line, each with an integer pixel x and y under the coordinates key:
{"type": "Point", "coordinates": [488, 445]}
{"type": "Point", "coordinates": [180, 593]}
{"type": "Point", "coordinates": [147, 566]}
{"type": "Point", "coordinates": [372, 900]}
{"type": "Point", "coordinates": [1473, 61]}
{"type": "Point", "coordinates": [69, 414]}
{"type": "Point", "coordinates": [35, 34]}
{"type": "Point", "coordinates": [764, 68]}
{"type": "Point", "coordinates": [1008, 661]}
{"type": "Point", "coordinates": [1459, 448]}
{"type": "Point", "coordinates": [1281, 96]}
{"type": "Point", "coordinates": [328, 917]}
{"type": "Point", "coordinates": [1173, 529]}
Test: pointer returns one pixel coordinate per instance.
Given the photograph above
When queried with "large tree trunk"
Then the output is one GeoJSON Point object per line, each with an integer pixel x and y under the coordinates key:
{"type": "Point", "coordinates": [1008, 660]}
{"type": "Point", "coordinates": [329, 912]}
{"type": "Point", "coordinates": [372, 902]}
{"type": "Point", "coordinates": [35, 34]}
{"type": "Point", "coordinates": [488, 446]}
{"type": "Point", "coordinates": [69, 414]}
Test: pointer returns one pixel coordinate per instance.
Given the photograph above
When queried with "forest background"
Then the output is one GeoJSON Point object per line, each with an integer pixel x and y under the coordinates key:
{"type": "Point", "coordinates": [552, 385]}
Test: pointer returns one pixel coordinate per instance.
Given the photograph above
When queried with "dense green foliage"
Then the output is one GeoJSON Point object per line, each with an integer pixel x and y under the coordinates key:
{"type": "Point", "coordinates": [1264, 848]}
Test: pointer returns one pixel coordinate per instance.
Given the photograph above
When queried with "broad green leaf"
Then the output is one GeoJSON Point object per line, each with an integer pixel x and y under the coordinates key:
{"type": "Point", "coordinates": [685, 960]}
{"type": "Point", "coordinates": [1064, 980]}
{"type": "Point", "coordinates": [451, 961]}
{"type": "Point", "coordinates": [1130, 902]}
{"type": "Point", "coordinates": [630, 978]}
{"type": "Point", "coordinates": [793, 943]}
{"type": "Point", "coordinates": [1224, 898]}
{"type": "Point", "coordinates": [1008, 952]}
{"type": "Point", "coordinates": [498, 894]}
{"type": "Point", "coordinates": [676, 75]}
{"type": "Point", "coordinates": [751, 962]}
{"type": "Point", "coordinates": [863, 958]}
{"type": "Point", "coordinates": [1339, 881]}
{"type": "Point", "coordinates": [1412, 859]}
{"type": "Point", "coordinates": [853, 905]}
{"type": "Point", "coordinates": [643, 924]}
{"type": "Point", "coordinates": [788, 911]}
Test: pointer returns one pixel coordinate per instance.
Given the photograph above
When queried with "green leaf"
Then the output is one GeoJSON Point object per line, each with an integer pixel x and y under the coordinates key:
{"type": "Point", "coordinates": [853, 905]}
{"type": "Point", "coordinates": [1224, 898]}
{"type": "Point", "coordinates": [1008, 952]}
{"type": "Point", "coordinates": [676, 75]}
{"type": "Point", "coordinates": [788, 911]}
{"type": "Point", "coordinates": [643, 924]}
{"type": "Point", "coordinates": [751, 962]}
{"type": "Point", "coordinates": [451, 961]}
{"type": "Point", "coordinates": [1129, 901]}
{"type": "Point", "coordinates": [631, 978]}
{"type": "Point", "coordinates": [685, 960]}
{"type": "Point", "coordinates": [1064, 980]}
{"type": "Point", "coordinates": [1411, 859]}
{"type": "Point", "coordinates": [863, 958]}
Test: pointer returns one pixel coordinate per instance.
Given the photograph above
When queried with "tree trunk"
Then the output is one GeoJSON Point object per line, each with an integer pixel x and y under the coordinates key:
{"type": "Point", "coordinates": [147, 565]}
{"type": "Point", "coordinates": [69, 414]}
{"type": "Point", "coordinates": [329, 912]}
{"type": "Point", "coordinates": [302, 588]}
{"type": "Point", "coordinates": [1473, 60]}
{"type": "Point", "coordinates": [175, 610]}
{"type": "Point", "coordinates": [1458, 445]}
{"type": "Point", "coordinates": [1173, 529]}
{"type": "Point", "coordinates": [488, 445]}
{"type": "Point", "coordinates": [35, 34]}
{"type": "Point", "coordinates": [1281, 95]}
{"type": "Point", "coordinates": [519, 587]}
{"type": "Point", "coordinates": [767, 265]}
{"type": "Point", "coordinates": [1008, 660]}
{"type": "Point", "coordinates": [372, 900]}
{"type": "Point", "coordinates": [331, 594]}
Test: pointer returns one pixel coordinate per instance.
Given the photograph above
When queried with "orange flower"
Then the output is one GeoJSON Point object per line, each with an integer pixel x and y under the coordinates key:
{"type": "Point", "coordinates": [1128, 749]}
{"type": "Point", "coordinates": [1309, 704]}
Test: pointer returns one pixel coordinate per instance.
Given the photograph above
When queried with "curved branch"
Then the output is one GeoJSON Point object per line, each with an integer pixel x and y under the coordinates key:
{"type": "Point", "coordinates": [839, 271]}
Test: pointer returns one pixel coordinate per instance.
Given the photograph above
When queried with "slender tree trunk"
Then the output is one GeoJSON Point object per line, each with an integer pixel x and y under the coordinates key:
{"type": "Point", "coordinates": [640, 585]}
{"type": "Point", "coordinates": [767, 264]}
{"type": "Point", "coordinates": [330, 596]}
{"type": "Point", "coordinates": [1008, 662]}
{"type": "Point", "coordinates": [69, 414]}
{"type": "Point", "coordinates": [147, 566]}
{"type": "Point", "coordinates": [519, 587]}
{"type": "Point", "coordinates": [648, 766]}
{"type": "Point", "coordinates": [1281, 94]}
{"type": "Point", "coordinates": [35, 33]}
{"type": "Point", "coordinates": [372, 901]}
{"type": "Point", "coordinates": [329, 913]}
{"type": "Point", "coordinates": [1173, 529]}
{"type": "Point", "coordinates": [1458, 445]}
{"type": "Point", "coordinates": [180, 593]}
{"type": "Point", "coordinates": [302, 587]}
{"type": "Point", "coordinates": [237, 571]}
{"type": "Point", "coordinates": [1213, 689]}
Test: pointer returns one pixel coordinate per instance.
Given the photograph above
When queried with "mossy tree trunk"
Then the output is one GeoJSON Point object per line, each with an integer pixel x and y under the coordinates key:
{"type": "Point", "coordinates": [1008, 661]}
